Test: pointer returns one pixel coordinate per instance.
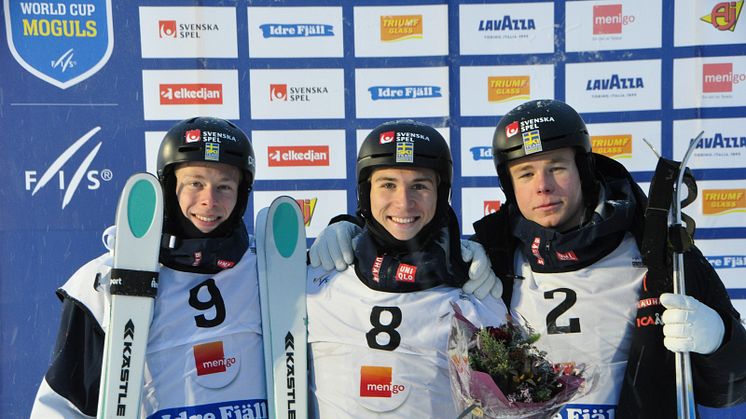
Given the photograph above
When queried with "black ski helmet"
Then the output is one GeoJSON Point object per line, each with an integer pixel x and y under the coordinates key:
{"type": "Point", "coordinates": [206, 139]}
{"type": "Point", "coordinates": [538, 126]}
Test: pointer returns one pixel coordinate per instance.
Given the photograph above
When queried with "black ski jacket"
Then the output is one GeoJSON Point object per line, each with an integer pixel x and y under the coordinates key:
{"type": "Point", "coordinates": [649, 387]}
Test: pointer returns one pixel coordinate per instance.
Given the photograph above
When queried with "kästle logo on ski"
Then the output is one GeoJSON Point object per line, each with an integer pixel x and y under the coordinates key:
{"type": "Point", "coordinates": [724, 15]}
{"type": "Point", "coordinates": [723, 201]}
{"type": "Point", "coordinates": [505, 88]}
{"type": "Point", "coordinates": [191, 93]}
{"type": "Point", "coordinates": [399, 28]}
{"type": "Point", "coordinates": [614, 146]}
{"type": "Point", "coordinates": [298, 156]}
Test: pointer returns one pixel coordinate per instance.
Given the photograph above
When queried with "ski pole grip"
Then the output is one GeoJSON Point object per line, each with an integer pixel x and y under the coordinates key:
{"type": "Point", "coordinates": [679, 238]}
{"type": "Point", "coordinates": [134, 283]}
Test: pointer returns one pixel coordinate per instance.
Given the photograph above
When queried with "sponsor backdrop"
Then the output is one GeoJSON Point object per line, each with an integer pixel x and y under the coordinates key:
{"type": "Point", "coordinates": [88, 87]}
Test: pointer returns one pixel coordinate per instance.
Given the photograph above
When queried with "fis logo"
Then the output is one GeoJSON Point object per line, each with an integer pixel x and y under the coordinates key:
{"type": "Point", "coordinates": [92, 178]}
{"type": "Point", "coordinates": [614, 146]}
{"type": "Point", "coordinates": [491, 206]}
{"type": "Point", "coordinates": [376, 381]}
{"type": "Point", "coordinates": [608, 19]}
{"type": "Point", "coordinates": [505, 88]}
{"type": "Point", "coordinates": [723, 201]}
{"type": "Point", "coordinates": [399, 28]}
{"type": "Point", "coordinates": [307, 207]}
{"type": "Point", "coordinates": [724, 15]}
{"type": "Point", "coordinates": [167, 29]}
{"type": "Point", "coordinates": [720, 78]}
{"type": "Point", "coordinates": [209, 358]}
{"type": "Point", "coordinates": [65, 61]}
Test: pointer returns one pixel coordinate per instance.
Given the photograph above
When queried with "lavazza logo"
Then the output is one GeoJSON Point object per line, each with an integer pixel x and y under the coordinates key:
{"type": "Point", "coordinates": [83, 176]}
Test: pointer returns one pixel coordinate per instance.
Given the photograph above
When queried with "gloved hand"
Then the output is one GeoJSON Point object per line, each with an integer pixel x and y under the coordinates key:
{"type": "Point", "coordinates": [690, 326]}
{"type": "Point", "coordinates": [333, 247]}
{"type": "Point", "coordinates": [481, 278]}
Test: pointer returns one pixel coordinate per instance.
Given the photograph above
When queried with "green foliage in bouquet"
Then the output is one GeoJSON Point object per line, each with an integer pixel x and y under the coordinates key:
{"type": "Point", "coordinates": [519, 369]}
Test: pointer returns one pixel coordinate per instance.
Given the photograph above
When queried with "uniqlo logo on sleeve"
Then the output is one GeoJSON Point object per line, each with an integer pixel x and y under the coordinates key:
{"type": "Point", "coordinates": [607, 19]}
{"type": "Point", "coordinates": [209, 358]}
{"type": "Point", "coordinates": [405, 273]}
{"type": "Point", "coordinates": [167, 28]}
{"type": "Point", "coordinates": [386, 137]}
{"type": "Point", "coordinates": [375, 381]}
{"type": "Point", "coordinates": [717, 78]}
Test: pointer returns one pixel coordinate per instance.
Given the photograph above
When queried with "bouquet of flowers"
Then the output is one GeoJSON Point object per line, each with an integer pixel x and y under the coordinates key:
{"type": "Point", "coordinates": [497, 372]}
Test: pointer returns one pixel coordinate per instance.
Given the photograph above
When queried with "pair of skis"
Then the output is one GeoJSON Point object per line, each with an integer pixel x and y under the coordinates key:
{"type": "Point", "coordinates": [281, 247]}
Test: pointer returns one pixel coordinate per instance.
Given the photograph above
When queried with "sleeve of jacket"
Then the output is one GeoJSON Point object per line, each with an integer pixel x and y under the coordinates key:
{"type": "Point", "coordinates": [70, 386]}
{"type": "Point", "coordinates": [720, 377]}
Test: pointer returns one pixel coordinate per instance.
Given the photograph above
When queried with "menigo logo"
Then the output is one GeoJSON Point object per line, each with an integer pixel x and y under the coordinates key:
{"type": "Point", "coordinates": [614, 146]}
{"type": "Point", "coordinates": [608, 19]}
{"type": "Point", "coordinates": [295, 30]}
{"type": "Point", "coordinates": [399, 28]}
{"type": "Point", "coordinates": [90, 178]}
{"type": "Point", "coordinates": [45, 38]}
{"type": "Point", "coordinates": [724, 15]}
{"type": "Point", "coordinates": [723, 201]}
{"type": "Point", "coordinates": [191, 94]}
{"type": "Point", "coordinates": [491, 206]}
{"type": "Point", "coordinates": [298, 156]}
{"type": "Point", "coordinates": [376, 381]}
{"type": "Point", "coordinates": [307, 208]}
{"type": "Point", "coordinates": [720, 78]}
{"type": "Point", "coordinates": [214, 368]}
{"type": "Point", "coordinates": [403, 92]}
{"type": "Point", "coordinates": [505, 88]}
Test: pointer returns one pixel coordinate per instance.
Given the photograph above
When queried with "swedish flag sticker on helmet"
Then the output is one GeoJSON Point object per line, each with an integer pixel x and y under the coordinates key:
{"type": "Point", "coordinates": [212, 151]}
{"type": "Point", "coordinates": [531, 142]}
{"type": "Point", "coordinates": [404, 152]}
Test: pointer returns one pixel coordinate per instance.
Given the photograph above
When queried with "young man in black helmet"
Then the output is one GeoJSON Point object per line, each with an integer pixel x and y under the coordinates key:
{"type": "Point", "coordinates": [207, 309]}
{"type": "Point", "coordinates": [567, 246]}
{"type": "Point", "coordinates": [378, 330]}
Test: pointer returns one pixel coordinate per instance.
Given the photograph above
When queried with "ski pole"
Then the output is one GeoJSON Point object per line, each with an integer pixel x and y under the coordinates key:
{"type": "Point", "coordinates": [684, 385]}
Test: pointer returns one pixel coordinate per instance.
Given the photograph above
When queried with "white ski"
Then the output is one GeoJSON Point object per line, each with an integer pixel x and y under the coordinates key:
{"type": "Point", "coordinates": [134, 285]}
{"type": "Point", "coordinates": [281, 250]}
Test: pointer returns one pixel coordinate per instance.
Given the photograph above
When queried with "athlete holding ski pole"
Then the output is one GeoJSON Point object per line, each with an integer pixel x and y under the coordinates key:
{"type": "Point", "coordinates": [378, 331]}
{"type": "Point", "coordinates": [204, 353]}
{"type": "Point", "coordinates": [567, 246]}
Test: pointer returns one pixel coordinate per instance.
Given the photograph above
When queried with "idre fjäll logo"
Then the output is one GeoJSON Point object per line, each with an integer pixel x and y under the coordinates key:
{"type": "Point", "coordinates": [90, 178]}
{"type": "Point", "coordinates": [60, 42]}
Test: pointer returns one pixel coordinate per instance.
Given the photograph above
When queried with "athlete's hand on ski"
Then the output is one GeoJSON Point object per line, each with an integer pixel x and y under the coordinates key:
{"type": "Point", "coordinates": [332, 249]}
{"type": "Point", "coordinates": [690, 326]}
{"type": "Point", "coordinates": [482, 279]}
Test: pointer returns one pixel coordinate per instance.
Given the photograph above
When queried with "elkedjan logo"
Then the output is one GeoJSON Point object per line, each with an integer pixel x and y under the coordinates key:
{"type": "Point", "coordinates": [92, 178]}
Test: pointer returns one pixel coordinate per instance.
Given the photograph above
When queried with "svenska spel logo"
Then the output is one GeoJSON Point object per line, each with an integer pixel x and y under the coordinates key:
{"type": "Point", "coordinates": [167, 29]}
